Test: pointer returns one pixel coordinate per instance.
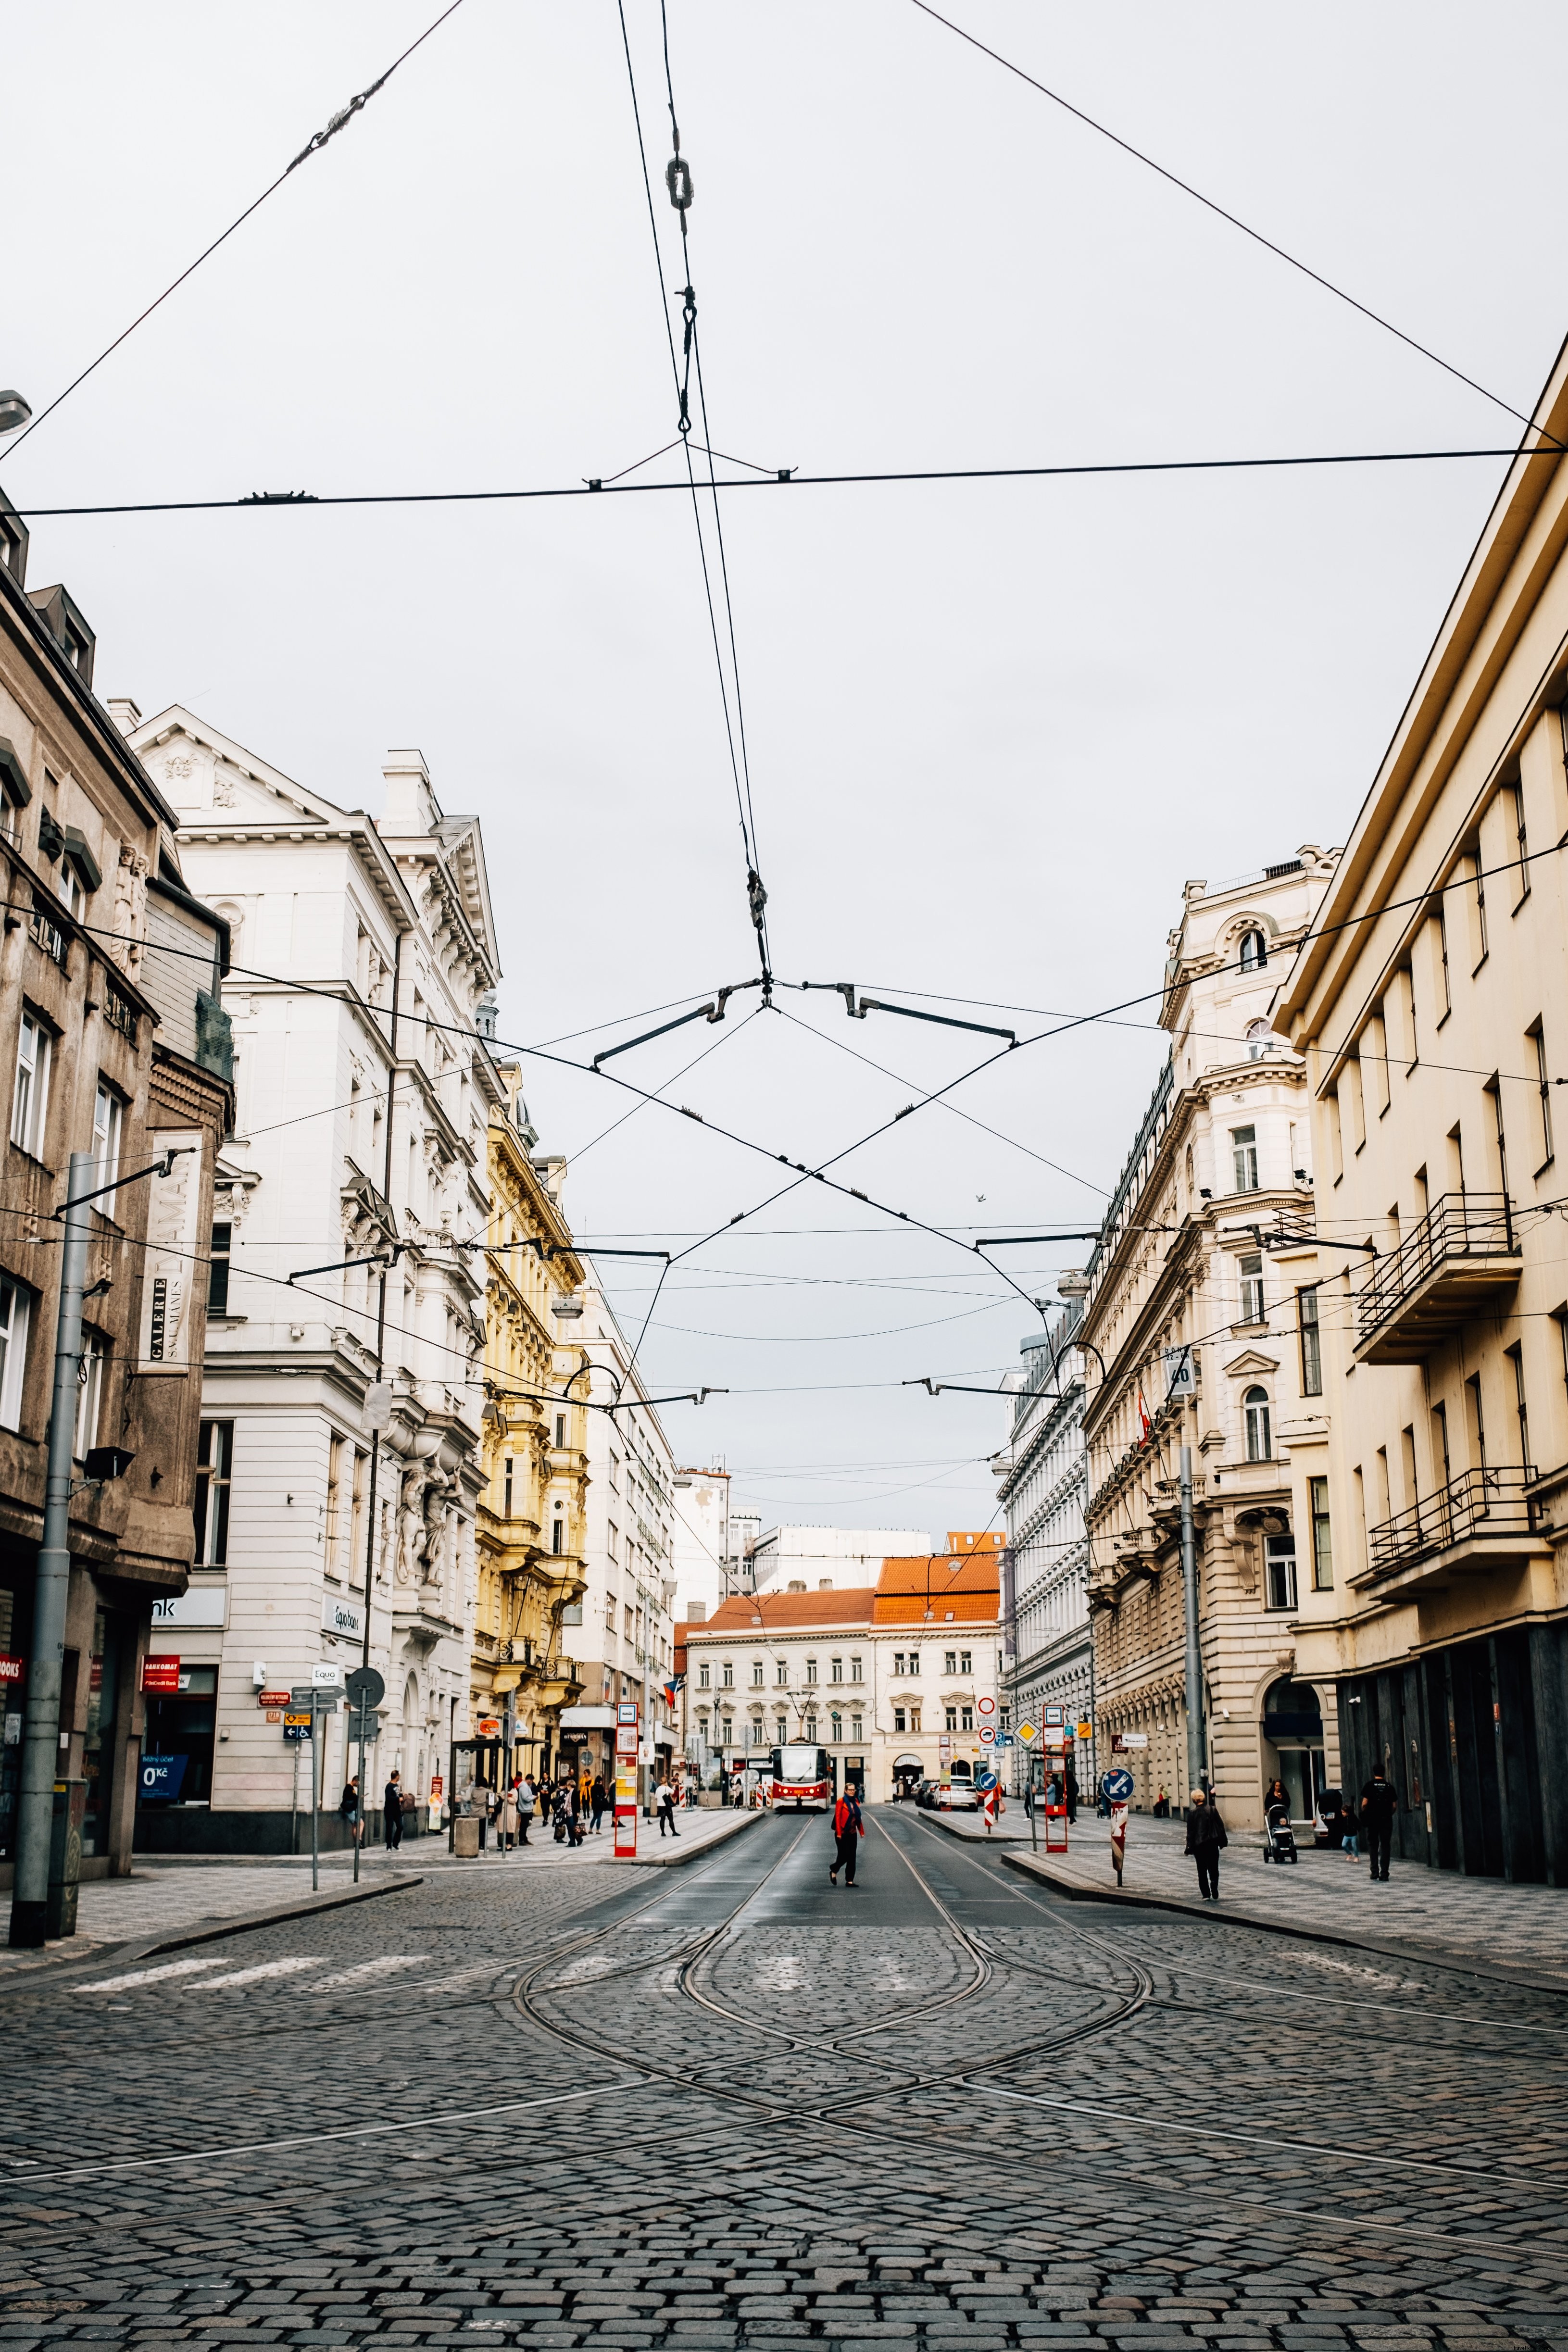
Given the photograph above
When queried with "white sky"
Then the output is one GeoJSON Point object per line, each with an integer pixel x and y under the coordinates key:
{"type": "Point", "coordinates": [992, 727]}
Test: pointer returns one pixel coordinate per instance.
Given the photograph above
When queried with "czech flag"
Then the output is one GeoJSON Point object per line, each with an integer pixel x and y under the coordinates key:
{"type": "Point", "coordinates": [1145, 1426]}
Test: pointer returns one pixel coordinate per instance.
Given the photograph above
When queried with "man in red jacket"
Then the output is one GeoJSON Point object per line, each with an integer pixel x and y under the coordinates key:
{"type": "Point", "coordinates": [848, 1826]}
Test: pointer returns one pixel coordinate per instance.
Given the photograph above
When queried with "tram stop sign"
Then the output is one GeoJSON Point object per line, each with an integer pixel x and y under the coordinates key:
{"type": "Point", "coordinates": [1118, 1785]}
{"type": "Point", "coordinates": [365, 1688]}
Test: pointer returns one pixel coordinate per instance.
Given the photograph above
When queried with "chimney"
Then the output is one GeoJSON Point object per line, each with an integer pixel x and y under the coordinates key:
{"type": "Point", "coordinates": [124, 713]}
{"type": "Point", "coordinates": [411, 805]}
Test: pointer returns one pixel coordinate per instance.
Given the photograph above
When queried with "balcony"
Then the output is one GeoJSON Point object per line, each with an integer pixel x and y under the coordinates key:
{"type": "Point", "coordinates": [1480, 1519]}
{"type": "Point", "coordinates": [1463, 1257]}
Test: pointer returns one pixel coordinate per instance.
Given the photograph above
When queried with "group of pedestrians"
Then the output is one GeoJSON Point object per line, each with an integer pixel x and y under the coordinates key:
{"type": "Point", "coordinates": [1372, 1823]}
{"type": "Point", "coordinates": [352, 1816]}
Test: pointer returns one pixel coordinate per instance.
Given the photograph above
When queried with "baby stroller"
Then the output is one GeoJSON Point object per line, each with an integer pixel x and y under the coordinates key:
{"type": "Point", "coordinates": [1282, 1845]}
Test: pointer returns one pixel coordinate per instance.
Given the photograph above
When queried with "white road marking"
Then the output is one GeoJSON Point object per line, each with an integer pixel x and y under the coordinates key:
{"type": "Point", "coordinates": [147, 1976]}
{"type": "Point", "coordinates": [382, 1967]}
{"type": "Point", "coordinates": [254, 1976]}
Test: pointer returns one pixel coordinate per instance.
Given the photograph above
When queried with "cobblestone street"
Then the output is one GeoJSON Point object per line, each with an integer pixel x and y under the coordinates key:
{"type": "Point", "coordinates": [736, 2105]}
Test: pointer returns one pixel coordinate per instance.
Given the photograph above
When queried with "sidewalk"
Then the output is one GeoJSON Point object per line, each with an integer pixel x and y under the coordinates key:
{"type": "Point", "coordinates": [170, 1897]}
{"type": "Point", "coordinates": [1327, 1895]}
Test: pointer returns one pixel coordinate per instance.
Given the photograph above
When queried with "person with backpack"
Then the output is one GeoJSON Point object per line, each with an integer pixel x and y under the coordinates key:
{"type": "Point", "coordinates": [848, 1828]}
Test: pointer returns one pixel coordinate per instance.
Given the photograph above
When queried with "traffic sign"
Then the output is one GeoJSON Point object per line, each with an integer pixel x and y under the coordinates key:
{"type": "Point", "coordinates": [366, 1687]}
{"type": "Point", "coordinates": [305, 1695]}
{"type": "Point", "coordinates": [1004, 1738]}
{"type": "Point", "coordinates": [1055, 1715]}
{"type": "Point", "coordinates": [1028, 1734]}
{"type": "Point", "coordinates": [1118, 1785]}
{"type": "Point", "coordinates": [986, 1735]}
{"type": "Point", "coordinates": [1086, 1731]}
{"type": "Point", "coordinates": [986, 1780]}
{"type": "Point", "coordinates": [985, 1705]}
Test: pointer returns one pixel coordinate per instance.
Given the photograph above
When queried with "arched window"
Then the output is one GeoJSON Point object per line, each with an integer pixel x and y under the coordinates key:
{"type": "Point", "coordinates": [1254, 951]}
{"type": "Point", "coordinates": [1259, 1437]}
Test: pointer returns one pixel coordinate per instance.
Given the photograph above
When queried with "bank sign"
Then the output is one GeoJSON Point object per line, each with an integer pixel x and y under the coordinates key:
{"type": "Point", "coordinates": [339, 1616]}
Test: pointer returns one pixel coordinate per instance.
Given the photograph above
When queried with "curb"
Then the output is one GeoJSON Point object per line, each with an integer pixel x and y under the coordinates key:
{"type": "Point", "coordinates": [695, 1853]}
{"type": "Point", "coordinates": [1412, 1955]}
{"type": "Point", "coordinates": [141, 1948]}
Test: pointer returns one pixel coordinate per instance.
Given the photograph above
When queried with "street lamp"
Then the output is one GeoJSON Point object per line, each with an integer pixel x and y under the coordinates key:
{"type": "Point", "coordinates": [13, 411]}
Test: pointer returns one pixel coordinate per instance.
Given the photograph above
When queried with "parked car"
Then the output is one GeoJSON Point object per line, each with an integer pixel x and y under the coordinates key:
{"type": "Point", "coordinates": [933, 1796]}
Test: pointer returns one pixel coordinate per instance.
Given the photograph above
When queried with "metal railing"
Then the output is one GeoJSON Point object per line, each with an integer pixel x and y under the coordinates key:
{"type": "Point", "coordinates": [1458, 1225]}
{"type": "Point", "coordinates": [1483, 1502]}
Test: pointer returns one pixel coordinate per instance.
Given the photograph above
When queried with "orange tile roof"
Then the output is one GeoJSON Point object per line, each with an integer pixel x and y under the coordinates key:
{"type": "Point", "coordinates": [954, 1589]}
{"type": "Point", "coordinates": [741, 1613]}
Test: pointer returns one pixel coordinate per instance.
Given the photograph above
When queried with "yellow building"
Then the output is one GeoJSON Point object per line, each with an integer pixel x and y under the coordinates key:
{"type": "Point", "coordinates": [529, 1535]}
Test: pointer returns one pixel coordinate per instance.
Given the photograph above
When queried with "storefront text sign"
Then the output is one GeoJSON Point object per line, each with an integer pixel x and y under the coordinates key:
{"type": "Point", "coordinates": [160, 1674]}
{"type": "Point", "coordinates": [173, 1246]}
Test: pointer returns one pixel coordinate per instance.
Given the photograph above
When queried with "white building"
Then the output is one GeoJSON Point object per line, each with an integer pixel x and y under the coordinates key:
{"type": "Point", "coordinates": [361, 951]}
{"type": "Point", "coordinates": [626, 1647]}
{"type": "Point", "coordinates": [1045, 1478]}
{"type": "Point", "coordinates": [705, 1567]}
{"type": "Point", "coordinates": [826, 1560]}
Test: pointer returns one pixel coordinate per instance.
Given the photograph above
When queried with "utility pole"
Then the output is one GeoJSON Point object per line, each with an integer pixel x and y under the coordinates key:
{"type": "Point", "coordinates": [1197, 1777]}
{"type": "Point", "coordinates": [40, 1749]}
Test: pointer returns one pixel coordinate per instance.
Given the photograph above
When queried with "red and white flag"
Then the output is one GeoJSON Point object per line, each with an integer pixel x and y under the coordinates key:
{"type": "Point", "coordinates": [1145, 1426]}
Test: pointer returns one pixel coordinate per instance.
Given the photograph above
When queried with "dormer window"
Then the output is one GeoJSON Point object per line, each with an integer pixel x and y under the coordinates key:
{"type": "Point", "coordinates": [1254, 951]}
{"type": "Point", "coordinates": [14, 789]}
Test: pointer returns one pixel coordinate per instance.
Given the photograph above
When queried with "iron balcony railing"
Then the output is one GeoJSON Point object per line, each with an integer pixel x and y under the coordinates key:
{"type": "Point", "coordinates": [1482, 1503]}
{"type": "Point", "coordinates": [1457, 1226]}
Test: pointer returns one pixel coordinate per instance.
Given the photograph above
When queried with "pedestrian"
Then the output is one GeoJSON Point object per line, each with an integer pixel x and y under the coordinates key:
{"type": "Point", "coordinates": [348, 1807]}
{"type": "Point", "coordinates": [526, 1806]}
{"type": "Point", "coordinates": [574, 1829]}
{"type": "Point", "coordinates": [392, 1814]}
{"type": "Point", "coordinates": [1379, 1803]}
{"type": "Point", "coordinates": [1205, 1836]}
{"type": "Point", "coordinates": [1277, 1796]}
{"type": "Point", "coordinates": [507, 1819]}
{"type": "Point", "coordinates": [1071, 1786]}
{"type": "Point", "coordinates": [1335, 1820]}
{"type": "Point", "coordinates": [1162, 1805]}
{"type": "Point", "coordinates": [599, 1798]}
{"type": "Point", "coordinates": [848, 1826]}
{"type": "Point", "coordinates": [666, 1802]}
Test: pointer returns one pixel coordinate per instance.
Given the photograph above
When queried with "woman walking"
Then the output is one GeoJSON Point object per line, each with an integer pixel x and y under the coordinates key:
{"type": "Point", "coordinates": [849, 1827]}
{"type": "Point", "coordinates": [1205, 1836]}
{"type": "Point", "coordinates": [601, 1802]}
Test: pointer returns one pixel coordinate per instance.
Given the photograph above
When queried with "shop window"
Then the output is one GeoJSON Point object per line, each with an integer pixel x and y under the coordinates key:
{"type": "Point", "coordinates": [215, 1466]}
{"type": "Point", "coordinates": [15, 1317]}
{"type": "Point", "coordinates": [30, 1096]}
{"type": "Point", "coordinates": [217, 1269]}
{"type": "Point", "coordinates": [177, 1741]}
{"type": "Point", "coordinates": [1282, 1571]}
{"type": "Point", "coordinates": [1259, 1432]}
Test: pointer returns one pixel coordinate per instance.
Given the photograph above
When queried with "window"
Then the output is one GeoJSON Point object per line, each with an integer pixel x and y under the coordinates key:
{"type": "Point", "coordinates": [108, 1119]}
{"type": "Point", "coordinates": [950, 1661]}
{"type": "Point", "coordinates": [215, 1467]}
{"type": "Point", "coordinates": [1254, 951]}
{"type": "Point", "coordinates": [855, 1675]}
{"type": "Point", "coordinates": [1244, 1158]}
{"type": "Point", "coordinates": [615, 1472]}
{"type": "Point", "coordinates": [727, 1730]}
{"type": "Point", "coordinates": [557, 1537]}
{"type": "Point", "coordinates": [899, 1664]}
{"type": "Point", "coordinates": [1282, 1571]}
{"type": "Point", "coordinates": [1259, 1437]}
{"type": "Point", "coordinates": [560, 1429]}
{"type": "Point", "coordinates": [1523, 891]}
{"type": "Point", "coordinates": [1260, 1040]}
{"type": "Point", "coordinates": [334, 1481]}
{"type": "Point", "coordinates": [1516, 1358]}
{"type": "Point", "coordinates": [835, 1670]}
{"type": "Point", "coordinates": [729, 1673]}
{"type": "Point", "coordinates": [1440, 950]}
{"type": "Point", "coordinates": [1323, 1536]}
{"type": "Point", "coordinates": [1250, 1272]}
{"type": "Point", "coordinates": [505, 1500]}
{"type": "Point", "coordinates": [857, 1728]}
{"type": "Point", "coordinates": [952, 1713]}
{"type": "Point", "coordinates": [914, 1719]}
{"type": "Point", "coordinates": [898, 1723]}
{"type": "Point", "coordinates": [704, 1677]}
{"type": "Point", "coordinates": [966, 1718]}
{"type": "Point", "coordinates": [90, 1395]}
{"type": "Point", "coordinates": [217, 1269]}
{"type": "Point", "coordinates": [16, 1314]}
{"type": "Point", "coordinates": [914, 1665]}
{"type": "Point", "coordinates": [1312, 1341]}
{"type": "Point", "coordinates": [30, 1102]}
{"type": "Point", "coordinates": [781, 1678]}
{"type": "Point", "coordinates": [756, 1673]}
{"type": "Point", "coordinates": [963, 1665]}
{"type": "Point", "coordinates": [811, 1727]}
{"type": "Point", "coordinates": [1543, 1084]}
{"type": "Point", "coordinates": [811, 1670]}
{"type": "Point", "coordinates": [755, 1733]}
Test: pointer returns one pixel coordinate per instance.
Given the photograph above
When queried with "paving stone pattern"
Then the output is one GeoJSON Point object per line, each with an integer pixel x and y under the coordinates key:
{"type": "Point", "coordinates": [570, 2107]}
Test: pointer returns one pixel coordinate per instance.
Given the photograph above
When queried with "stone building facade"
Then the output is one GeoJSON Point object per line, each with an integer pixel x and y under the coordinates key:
{"type": "Point", "coordinates": [1432, 1009]}
{"type": "Point", "coordinates": [347, 1204]}
{"type": "Point", "coordinates": [1043, 1481]}
{"type": "Point", "coordinates": [112, 1042]}
{"type": "Point", "coordinates": [1198, 1331]}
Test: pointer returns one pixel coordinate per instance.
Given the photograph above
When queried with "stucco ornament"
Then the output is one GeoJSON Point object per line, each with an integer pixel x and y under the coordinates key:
{"type": "Point", "coordinates": [411, 1524]}
{"type": "Point", "coordinates": [129, 923]}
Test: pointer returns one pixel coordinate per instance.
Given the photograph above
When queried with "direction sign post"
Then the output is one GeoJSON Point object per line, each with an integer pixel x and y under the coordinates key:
{"type": "Point", "coordinates": [1117, 1787]}
{"type": "Point", "coordinates": [365, 1691]}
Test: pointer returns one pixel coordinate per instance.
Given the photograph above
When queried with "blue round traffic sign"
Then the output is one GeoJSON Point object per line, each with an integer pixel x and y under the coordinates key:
{"type": "Point", "coordinates": [1118, 1785]}
{"type": "Point", "coordinates": [986, 1780]}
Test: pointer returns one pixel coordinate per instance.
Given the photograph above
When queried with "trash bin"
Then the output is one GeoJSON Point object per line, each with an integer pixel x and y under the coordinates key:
{"type": "Point", "coordinates": [466, 1837]}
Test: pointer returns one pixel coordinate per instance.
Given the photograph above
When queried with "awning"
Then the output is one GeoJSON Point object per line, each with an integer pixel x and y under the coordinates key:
{"type": "Point", "coordinates": [587, 1718]}
{"type": "Point", "coordinates": [909, 1764]}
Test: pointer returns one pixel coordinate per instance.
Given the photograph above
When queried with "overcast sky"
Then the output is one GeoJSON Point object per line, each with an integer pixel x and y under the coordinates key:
{"type": "Point", "coordinates": [992, 727]}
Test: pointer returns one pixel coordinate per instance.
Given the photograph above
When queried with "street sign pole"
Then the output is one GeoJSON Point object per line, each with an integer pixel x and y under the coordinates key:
{"type": "Point", "coordinates": [317, 1718]}
{"type": "Point", "coordinates": [1197, 1777]}
{"type": "Point", "coordinates": [365, 1690]}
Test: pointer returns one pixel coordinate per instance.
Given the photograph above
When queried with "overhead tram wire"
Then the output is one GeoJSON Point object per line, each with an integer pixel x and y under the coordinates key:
{"type": "Point", "coordinates": [299, 501]}
{"type": "Point", "coordinates": [1209, 204]}
{"type": "Point", "coordinates": [678, 182]}
{"type": "Point", "coordinates": [312, 147]}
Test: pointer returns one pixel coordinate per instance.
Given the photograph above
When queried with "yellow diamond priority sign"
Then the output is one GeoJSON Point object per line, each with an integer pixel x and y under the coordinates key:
{"type": "Point", "coordinates": [1028, 1733]}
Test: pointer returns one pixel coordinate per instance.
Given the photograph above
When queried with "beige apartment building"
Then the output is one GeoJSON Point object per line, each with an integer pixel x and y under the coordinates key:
{"type": "Point", "coordinates": [1432, 1006]}
{"type": "Point", "coordinates": [1200, 1329]}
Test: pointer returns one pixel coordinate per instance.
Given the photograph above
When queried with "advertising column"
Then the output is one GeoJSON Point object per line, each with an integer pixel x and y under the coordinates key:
{"type": "Point", "coordinates": [628, 1744]}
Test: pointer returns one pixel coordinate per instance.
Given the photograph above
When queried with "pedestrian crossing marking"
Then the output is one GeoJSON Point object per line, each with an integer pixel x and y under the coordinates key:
{"type": "Point", "coordinates": [382, 1967]}
{"type": "Point", "coordinates": [254, 1976]}
{"type": "Point", "coordinates": [148, 1976]}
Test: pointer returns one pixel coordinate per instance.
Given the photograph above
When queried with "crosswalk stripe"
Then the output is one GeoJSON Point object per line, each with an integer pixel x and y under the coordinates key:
{"type": "Point", "coordinates": [147, 1976]}
{"type": "Point", "coordinates": [254, 1976]}
{"type": "Point", "coordinates": [382, 1967]}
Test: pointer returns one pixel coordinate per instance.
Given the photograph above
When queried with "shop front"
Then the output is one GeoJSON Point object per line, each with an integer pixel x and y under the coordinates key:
{"type": "Point", "coordinates": [179, 1730]}
{"type": "Point", "coordinates": [1292, 1729]}
{"type": "Point", "coordinates": [586, 1741]}
{"type": "Point", "coordinates": [909, 1771]}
